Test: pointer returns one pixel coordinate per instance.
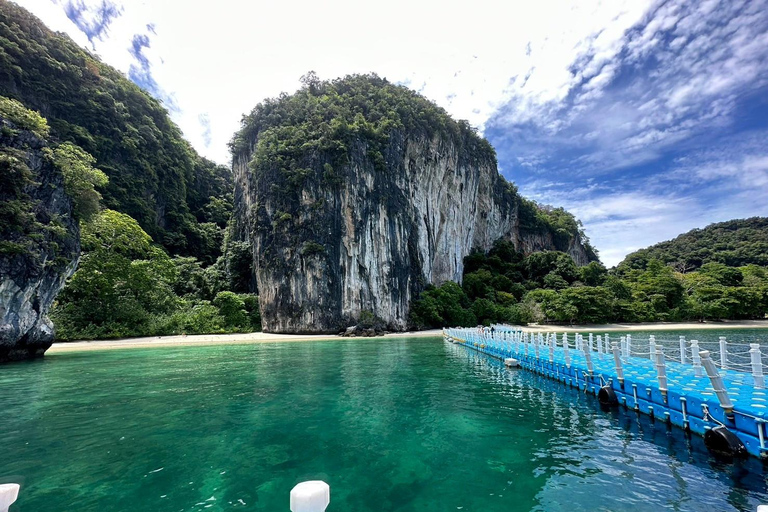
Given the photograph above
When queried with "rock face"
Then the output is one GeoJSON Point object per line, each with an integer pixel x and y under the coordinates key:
{"type": "Point", "coordinates": [368, 236]}
{"type": "Point", "coordinates": [40, 252]}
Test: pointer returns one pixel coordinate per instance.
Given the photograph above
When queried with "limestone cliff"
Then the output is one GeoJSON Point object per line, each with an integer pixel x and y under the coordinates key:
{"type": "Point", "coordinates": [358, 208]}
{"type": "Point", "coordinates": [39, 245]}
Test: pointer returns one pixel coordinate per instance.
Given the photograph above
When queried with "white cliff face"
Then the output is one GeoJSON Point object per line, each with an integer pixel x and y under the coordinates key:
{"type": "Point", "coordinates": [454, 208]}
{"type": "Point", "coordinates": [373, 239]}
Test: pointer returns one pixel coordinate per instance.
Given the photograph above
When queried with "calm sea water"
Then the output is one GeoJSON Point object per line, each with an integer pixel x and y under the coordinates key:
{"type": "Point", "coordinates": [406, 425]}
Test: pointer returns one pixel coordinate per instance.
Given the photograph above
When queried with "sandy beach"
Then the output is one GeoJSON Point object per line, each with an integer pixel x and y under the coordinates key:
{"type": "Point", "coordinates": [262, 337]}
{"type": "Point", "coordinates": [216, 339]}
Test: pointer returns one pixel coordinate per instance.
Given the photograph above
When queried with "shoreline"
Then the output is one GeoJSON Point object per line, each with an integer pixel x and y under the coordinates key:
{"type": "Point", "coordinates": [262, 337]}
{"type": "Point", "coordinates": [218, 339]}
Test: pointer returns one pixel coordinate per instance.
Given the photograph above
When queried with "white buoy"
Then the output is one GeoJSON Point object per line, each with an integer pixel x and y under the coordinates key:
{"type": "Point", "coordinates": [312, 496]}
{"type": "Point", "coordinates": [511, 362]}
{"type": "Point", "coordinates": [9, 493]}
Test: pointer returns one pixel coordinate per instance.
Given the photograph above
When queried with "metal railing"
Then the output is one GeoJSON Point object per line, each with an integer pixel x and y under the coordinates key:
{"type": "Point", "coordinates": [739, 357]}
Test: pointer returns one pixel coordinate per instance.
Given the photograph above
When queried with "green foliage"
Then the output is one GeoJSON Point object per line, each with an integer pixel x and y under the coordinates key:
{"type": "Point", "coordinates": [210, 192]}
{"type": "Point", "coordinates": [312, 247]}
{"type": "Point", "coordinates": [238, 265]}
{"type": "Point", "coordinates": [232, 308]}
{"type": "Point", "coordinates": [726, 276]}
{"type": "Point", "coordinates": [478, 284]}
{"type": "Point", "coordinates": [310, 136]}
{"type": "Point", "coordinates": [22, 117]}
{"type": "Point", "coordinates": [504, 286]}
{"type": "Point", "coordinates": [447, 305]}
{"type": "Point", "coordinates": [281, 219]}
{"type": "Point", "coordinates": [540, 264]}
{"type": "Point", "coordinates": [17, 216]}
{"type": "Point", "coordinates": [368, 320]}
{"type": "Point", "coordinates": [193, 281]}
{"type": "Point", "coordinates": [80, 179]}
{"type": "Point", "coordinates": [190, 318]}
{"type": "Point", "coordinates": [121, 281]}
{"type": "Point", "coordinates": [593, 274]}
{"type": "Point", "coordinates": [734, 243]}
{"type": "Point", "coordinates": [26, 228]}
{"type": "Point", "coordinates": [154, 174]}
{"type": "Point", "coordinates": [554, 281]}
{"type": "Point", "coordinates": [489, 312]}
{"type": "Point", "coordinates": [127, 286]}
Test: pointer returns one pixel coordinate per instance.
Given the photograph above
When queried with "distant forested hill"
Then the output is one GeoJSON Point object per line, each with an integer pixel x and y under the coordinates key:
{"type": "Point", "coordinates": [734, 243]}
{"type": "Point", "coordinates": [179, 198]}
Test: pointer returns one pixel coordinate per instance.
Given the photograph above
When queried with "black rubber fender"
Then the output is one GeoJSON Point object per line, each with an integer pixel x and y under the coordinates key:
{"type": "Point", "coordinates": [721, 441]}
{"type": "Point", "coordinates": [607, 397]}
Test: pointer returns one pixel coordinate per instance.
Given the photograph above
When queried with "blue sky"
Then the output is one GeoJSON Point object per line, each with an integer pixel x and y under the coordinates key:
{"type": "Point", "coordinates": [644, 118]}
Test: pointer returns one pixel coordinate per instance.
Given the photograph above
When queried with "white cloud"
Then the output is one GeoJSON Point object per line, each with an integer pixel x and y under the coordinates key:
{"type": "Point", "coordinates": [578, 89]}
{"type": "Point", "coordinates": [728, 180]}
{"type": "Point", "coordinates": [685, 67]}
{"type": "Point", "coordinates": [221, 60]}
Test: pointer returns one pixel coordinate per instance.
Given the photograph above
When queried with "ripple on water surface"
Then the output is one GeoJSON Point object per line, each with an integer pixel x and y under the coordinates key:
{"type": "Point", "coordinates": [407, 424]}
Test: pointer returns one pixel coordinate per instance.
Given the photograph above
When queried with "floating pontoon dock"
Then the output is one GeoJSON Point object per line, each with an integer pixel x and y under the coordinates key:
{"type": "Point", "coordinates": [718, 393]}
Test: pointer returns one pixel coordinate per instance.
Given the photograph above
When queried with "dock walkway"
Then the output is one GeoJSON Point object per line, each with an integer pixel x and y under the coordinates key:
{"type": "Point", "coordinates": [690, 392]}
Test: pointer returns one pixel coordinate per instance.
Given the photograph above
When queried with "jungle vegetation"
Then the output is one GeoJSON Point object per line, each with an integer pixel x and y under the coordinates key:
{"type": "Point", "coordinates": [734, 243]}
{"type": "Point", "coordinates": [179, 198]}
{"type": "Point", "coordinates": [157, 255]}
{"type": "Point", "coordinates": [504, 286]}
{"type": "Point", "coordinates": [125, 285]}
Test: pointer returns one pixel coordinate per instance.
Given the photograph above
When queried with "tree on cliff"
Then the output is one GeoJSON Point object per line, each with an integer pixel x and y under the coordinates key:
{"type": "Point", "coordinates": [21, 219]}
{"type": "Point", "coordinates": [155, 175]}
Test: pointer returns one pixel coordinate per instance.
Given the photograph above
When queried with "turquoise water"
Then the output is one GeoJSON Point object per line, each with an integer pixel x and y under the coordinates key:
{"type": "Point", "coordinates": [407, 425]}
